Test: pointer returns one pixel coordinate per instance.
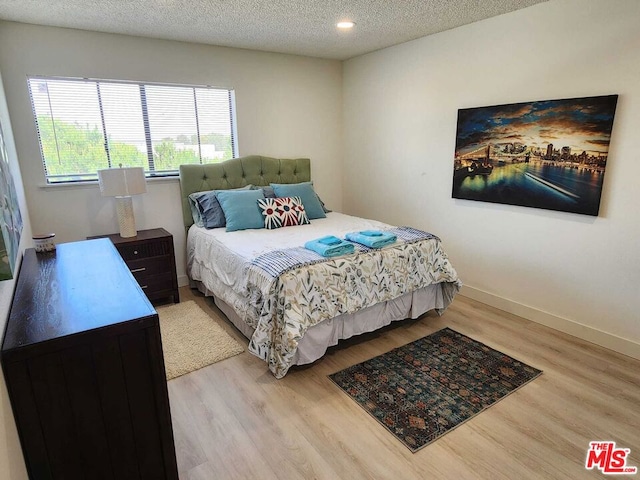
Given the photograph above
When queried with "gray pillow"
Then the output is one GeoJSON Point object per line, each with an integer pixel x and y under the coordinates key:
{"type": "Point", "coordinates": [206, 210]}
{"type": "Point", "coordinates": [269, 193]}
{"type": "Point", "coordinates": [324, 207]}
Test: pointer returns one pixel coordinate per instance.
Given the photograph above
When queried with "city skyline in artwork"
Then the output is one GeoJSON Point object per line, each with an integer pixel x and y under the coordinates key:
{"type": "Point", "coordinates": [545, 154]}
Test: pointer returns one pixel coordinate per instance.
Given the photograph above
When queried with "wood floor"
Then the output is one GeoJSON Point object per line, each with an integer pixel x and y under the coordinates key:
{"type": "Point", "coordinates": [234, 420]}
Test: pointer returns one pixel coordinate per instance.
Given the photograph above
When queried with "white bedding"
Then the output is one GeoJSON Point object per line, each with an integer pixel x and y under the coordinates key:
{"type": "Point", "coordinates": [227, 255]}
{"type": "Point", "coordinates": [251, 243]}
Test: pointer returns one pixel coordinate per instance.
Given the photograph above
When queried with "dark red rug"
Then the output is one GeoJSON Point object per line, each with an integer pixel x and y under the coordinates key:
{"type": "Point", "coordinates": [428, 387]}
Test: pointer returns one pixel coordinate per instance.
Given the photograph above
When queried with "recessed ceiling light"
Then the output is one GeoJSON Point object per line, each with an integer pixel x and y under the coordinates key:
{"type": "Point", "coordinates": [346, 25]}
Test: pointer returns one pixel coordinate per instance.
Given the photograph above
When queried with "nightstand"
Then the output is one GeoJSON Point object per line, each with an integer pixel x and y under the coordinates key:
{"type": "Point", "coordinates": [151, 259]}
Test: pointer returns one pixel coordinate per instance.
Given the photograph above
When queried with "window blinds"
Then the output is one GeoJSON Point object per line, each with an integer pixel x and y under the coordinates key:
{"type": "Point", "coordinates": [86, 125]}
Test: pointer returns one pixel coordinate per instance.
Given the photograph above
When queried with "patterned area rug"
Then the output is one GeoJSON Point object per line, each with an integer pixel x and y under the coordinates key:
{"type": "Point", "coordinates": [427, 388]}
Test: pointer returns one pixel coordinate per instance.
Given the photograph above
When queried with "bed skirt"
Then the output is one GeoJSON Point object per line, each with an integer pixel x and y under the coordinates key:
{"type": "Point", "coordinates": [326, 334]}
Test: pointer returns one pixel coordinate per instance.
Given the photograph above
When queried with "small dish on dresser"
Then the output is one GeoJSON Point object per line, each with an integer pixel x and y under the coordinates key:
{"type": "Point", "coordinates": [44, 243]}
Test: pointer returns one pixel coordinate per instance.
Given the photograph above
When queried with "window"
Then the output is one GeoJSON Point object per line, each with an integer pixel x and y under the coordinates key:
{"type": "Point", "coordinates": [86, 125]}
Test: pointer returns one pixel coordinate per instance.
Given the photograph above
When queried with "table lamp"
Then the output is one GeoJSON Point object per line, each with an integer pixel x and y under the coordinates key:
{"type": "Point", "coordinates": [122, 183]}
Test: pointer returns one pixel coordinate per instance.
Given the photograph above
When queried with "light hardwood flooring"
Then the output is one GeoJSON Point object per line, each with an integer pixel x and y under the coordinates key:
{"type": "Point", "coordinates": [234, 420]}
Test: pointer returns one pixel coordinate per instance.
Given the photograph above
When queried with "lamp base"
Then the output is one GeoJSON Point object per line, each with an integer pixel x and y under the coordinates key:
{"type": "Point", "coordinates": [126, 220]}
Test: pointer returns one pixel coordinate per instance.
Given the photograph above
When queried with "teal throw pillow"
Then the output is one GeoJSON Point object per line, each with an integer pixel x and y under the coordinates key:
{"type": "Point", "coordinates": [240, 209]}
{"type": "Point", "coordinates": [206, 210]}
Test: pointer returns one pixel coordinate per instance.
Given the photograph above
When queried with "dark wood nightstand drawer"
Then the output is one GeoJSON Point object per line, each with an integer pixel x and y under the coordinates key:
{"type": "Point", "coordinates": [144, 250]}
{"type": "Point", "coordinates": [152, 283]}
{"type": "Point", "coordinates": [149, 266]}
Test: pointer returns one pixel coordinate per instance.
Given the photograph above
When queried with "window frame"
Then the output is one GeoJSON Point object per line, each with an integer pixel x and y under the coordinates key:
{"type": "Point", "coordinates": [149, 168]}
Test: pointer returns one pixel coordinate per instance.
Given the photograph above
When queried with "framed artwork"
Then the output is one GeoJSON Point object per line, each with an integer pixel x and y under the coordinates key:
{"type": "Point", "coordinates": [548, 154]}
{"type": "Point", "coordinates": [11, 219]}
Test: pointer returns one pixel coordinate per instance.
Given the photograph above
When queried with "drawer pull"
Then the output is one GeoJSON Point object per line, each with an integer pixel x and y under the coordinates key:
{"type": "Point", "coordinates": [135, 252]}
{"type": "Point", "coordinates": [135, 270]}
{"type": "Point", "coordinates": [144, 286]}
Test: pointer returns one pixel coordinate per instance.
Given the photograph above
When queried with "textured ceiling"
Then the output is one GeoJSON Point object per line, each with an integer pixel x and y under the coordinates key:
{"type": "Point", "coordinates": [301, 27]}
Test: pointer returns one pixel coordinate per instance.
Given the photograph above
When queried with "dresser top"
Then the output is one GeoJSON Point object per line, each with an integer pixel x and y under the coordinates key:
{"type": "Point", "coordinates": [81, 286]}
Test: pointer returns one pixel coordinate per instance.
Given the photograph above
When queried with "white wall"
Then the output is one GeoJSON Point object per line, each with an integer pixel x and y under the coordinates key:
{"type": "Point", "coordinates": [577, 273]}
{"type": "Point", "coordinates": [400, 106]}
{"type": "Point", "coordinates": [11, 463]}
{"type": "Point", "coordinates": [287, 106]}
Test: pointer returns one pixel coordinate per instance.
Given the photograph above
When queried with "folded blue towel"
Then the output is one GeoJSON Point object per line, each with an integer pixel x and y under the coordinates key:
{"type": "Point", "coordinates": [330, 240]}
{"type": "Point", "coordinates": [372, 238]}
{"type": "Point", "coordinates": [330, 246]}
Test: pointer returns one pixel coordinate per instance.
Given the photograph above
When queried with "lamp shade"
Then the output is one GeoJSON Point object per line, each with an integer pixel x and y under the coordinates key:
{"type": "Point", "coordinates": [122, 182]}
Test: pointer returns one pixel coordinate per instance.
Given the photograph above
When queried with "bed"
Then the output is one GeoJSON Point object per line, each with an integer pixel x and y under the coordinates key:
{"type": "Point", "coordinates": [291, 306]}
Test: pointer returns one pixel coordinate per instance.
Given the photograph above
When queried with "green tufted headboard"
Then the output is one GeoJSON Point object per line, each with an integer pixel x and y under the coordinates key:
{"type": "Point", "coordinates": [239, 172]}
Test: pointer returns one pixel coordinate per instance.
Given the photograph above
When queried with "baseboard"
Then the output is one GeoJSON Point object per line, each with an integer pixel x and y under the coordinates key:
{"type": "Point", "coordinates": [584, 332]}
{"type": "Point", "coordinates": [183, 280]}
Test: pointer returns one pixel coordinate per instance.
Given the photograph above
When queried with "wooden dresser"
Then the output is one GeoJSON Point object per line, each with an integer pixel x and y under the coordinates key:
{"type": "Point", "coordinates": [82, 359]}
{"type": "Point", "coordinates": [150, 257]}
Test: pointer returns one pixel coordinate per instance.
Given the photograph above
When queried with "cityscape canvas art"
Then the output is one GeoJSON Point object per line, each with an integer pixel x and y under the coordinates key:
{"type": "Point", "coordinates": [548, 154]}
